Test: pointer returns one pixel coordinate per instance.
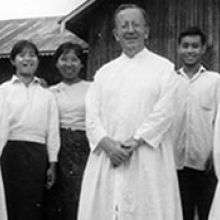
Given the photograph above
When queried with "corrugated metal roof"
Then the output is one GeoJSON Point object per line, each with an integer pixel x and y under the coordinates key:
{"type": "Point", "coordinates": [44, 32]}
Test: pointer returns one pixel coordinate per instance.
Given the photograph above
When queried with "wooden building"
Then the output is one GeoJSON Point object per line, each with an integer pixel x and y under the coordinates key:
{"type": "Point", "coordinates": [45, 33]}
{"type": "Point", "coordinates": [92, 21]}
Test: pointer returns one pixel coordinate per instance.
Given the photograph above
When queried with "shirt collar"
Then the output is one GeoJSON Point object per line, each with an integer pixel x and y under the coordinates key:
{"type": "Point", "coordinates": [62, 85]}
{"type": "Point", "coordinates": [15, 79]}
{"type": "Point", "coordinates": [201, 70]}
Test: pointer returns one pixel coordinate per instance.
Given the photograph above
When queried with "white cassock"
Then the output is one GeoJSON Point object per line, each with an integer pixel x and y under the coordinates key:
{"type": "Point", "coordinates": [131, 97]}
{"type": "Point", "coordinates": [3, 140]}
{"type": "Point", "coordinates": [215, 209]}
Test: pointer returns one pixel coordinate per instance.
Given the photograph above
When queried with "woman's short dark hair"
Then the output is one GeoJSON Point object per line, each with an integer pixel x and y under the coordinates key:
{"type": "Point", "coordinates": [131, 6]}
{"type": "Point", "coordinates": [193, 31]}
{"type": "Point", "coordinates": [66, 47]}
{"type": "Point", "coordinates": [20, 45]}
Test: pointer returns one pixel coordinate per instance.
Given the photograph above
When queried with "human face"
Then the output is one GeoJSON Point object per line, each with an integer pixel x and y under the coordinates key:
{"type": "Point", "coordinates": [131, 30]}
{"type": "Point", "coordinates": [69, 65]}
{"type": "Point", "coordinates": [191, 50]}
{"type": "Point", "coordinates": [26, 62]}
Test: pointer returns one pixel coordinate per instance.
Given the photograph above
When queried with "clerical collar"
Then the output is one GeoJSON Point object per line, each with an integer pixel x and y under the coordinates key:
{"type": "Point", "coordinates": [138, 55]}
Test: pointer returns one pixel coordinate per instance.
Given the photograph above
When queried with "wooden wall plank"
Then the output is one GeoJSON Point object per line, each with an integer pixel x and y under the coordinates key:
{"type": "Point", "coordinates": [168, 19]}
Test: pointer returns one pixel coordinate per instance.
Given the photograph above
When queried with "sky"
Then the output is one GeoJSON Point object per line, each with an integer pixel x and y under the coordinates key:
{"type": "Point", "coordinates": [15, 9]}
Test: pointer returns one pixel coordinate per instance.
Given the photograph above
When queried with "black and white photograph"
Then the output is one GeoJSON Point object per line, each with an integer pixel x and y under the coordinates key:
{"type": "Point", "coordinates": [110, 110]}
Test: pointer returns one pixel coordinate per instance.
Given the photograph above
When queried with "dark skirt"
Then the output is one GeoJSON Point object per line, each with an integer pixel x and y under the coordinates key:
{"type": "Point", "coordinates": [24, 167]}
{"type": "Point", "coordinates": [64, 196]}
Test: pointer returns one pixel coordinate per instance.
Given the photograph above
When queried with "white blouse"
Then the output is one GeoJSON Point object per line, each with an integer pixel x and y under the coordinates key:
{"type": "Point", "coordinates": [30, 114]}
{"type": "Point", "coordinates": [71, 104]}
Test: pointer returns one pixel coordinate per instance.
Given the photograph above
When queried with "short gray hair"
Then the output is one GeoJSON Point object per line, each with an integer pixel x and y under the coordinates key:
{"type": "Point", "coordinates": [131, 6]}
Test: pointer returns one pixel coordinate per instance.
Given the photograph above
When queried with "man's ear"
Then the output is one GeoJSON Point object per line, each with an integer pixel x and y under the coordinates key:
{"type": "Point", "coordinates": [12, 62]}
{"type": "Point", "coordinates": [56, 64]}
{"type": "Point", "coordinates": [178, 48]}
{"type": "Point", "coordinates": [204, 48]}
{"type": "Point", "coordinates": [115, 33]}
{"type": "Point", "coordinates": [147, 31]}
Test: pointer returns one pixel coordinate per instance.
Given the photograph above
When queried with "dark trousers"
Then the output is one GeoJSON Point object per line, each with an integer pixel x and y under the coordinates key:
{"type": "Point", "coordinates": [197, 189]}
{"type": "Point", "coordinates": [24, 167]}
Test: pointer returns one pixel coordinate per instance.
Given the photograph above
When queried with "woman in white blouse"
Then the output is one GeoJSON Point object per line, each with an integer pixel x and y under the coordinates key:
{"type": "Point", "coordinates": [70, 95]}
{"type": "Point", "coordinates": [31, 133]}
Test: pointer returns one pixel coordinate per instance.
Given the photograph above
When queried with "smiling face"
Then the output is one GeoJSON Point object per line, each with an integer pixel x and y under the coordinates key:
{"type": "Point", "coordinates": [131, 30]}
{"type": "Point", "coordinates": [26, 62]}
{"type": "Point", "coordinates": [191, 50]}
{"type": "Point", "coordinates": [69, 65]}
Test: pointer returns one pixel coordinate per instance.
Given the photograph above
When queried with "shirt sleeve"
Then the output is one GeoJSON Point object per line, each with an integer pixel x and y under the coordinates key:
{"type": "Point", "coordinates": [158, 122]}
{"type": "Point", "coordinates": [217, 99]}
{"type": "Point", "coordinates": [178, 129]}
{"type": "Point", "coordinates": [4, 124]}
{"type": "Point", "coordinates": [216, 151]}
{"type": "Point", "coordinates": [53, 134]}
{"type": "Point", "coordinates": [94, 127]}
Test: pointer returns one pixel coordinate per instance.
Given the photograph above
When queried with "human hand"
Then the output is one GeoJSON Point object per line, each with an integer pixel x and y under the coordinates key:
{"type": "Point", "coordinates": [43, 83]}
{"type": "Point", "coordinates": [51, 175]}
{"type": "Point", "coordinates": [209, 166]}
{"type": "Point", "coordinates": [114, 150]}
{"type": "Point", "coordinates": [131, 144]}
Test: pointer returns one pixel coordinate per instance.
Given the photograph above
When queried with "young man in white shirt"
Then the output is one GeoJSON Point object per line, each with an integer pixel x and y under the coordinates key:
{"type": "Point", "coordinates": [201, 94]}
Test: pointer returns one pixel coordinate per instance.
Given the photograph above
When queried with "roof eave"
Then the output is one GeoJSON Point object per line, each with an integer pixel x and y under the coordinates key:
{"type": "Point", "coordinates": [41, 53]}
{"type": "Point", "coordinates": [76, 12]}
{"type": "Point", "coordinates": [79, 20]}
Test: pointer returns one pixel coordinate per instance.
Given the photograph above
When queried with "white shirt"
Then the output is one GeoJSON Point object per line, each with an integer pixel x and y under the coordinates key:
{"type": "Point", "coordinates": [214, 213]}
{"type": "Point", "coordinates": [201, 95]}
{"type": "Point", "coordinates": [71, 104]}
{"type": "Point", "coordinates": [131, 97]}
{"type": "Point", "coordinates": [32, 114]}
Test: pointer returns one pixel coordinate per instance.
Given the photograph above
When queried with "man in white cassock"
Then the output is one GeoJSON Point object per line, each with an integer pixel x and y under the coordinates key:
{"type": "Point", "coordinates": [130, 174]}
